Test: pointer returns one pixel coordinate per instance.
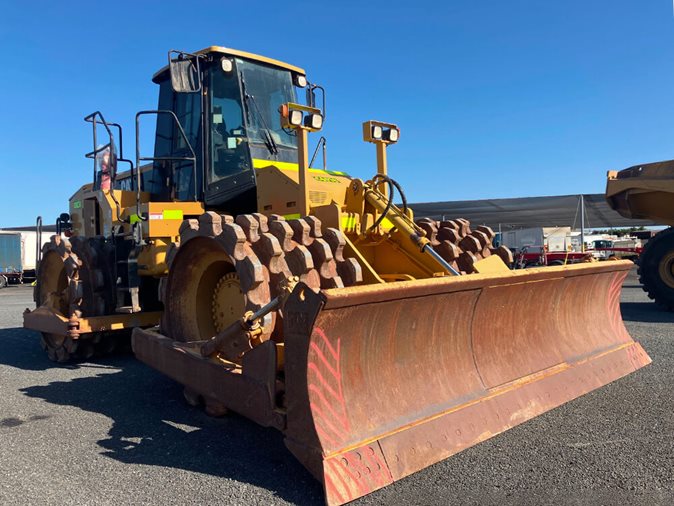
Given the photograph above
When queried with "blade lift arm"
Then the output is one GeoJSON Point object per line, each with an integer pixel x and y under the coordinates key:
{"type": "Point", "coordinates": [401, 221]}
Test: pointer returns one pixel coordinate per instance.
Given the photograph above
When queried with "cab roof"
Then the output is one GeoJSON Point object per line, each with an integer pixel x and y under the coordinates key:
{"type": "Point", "coordinates": [243, 54]}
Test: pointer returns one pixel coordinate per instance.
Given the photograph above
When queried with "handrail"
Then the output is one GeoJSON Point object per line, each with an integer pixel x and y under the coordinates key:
{"type": "Point", "coordinates": [321, 142]}
{"type": "Point", "coordinates": [96, 118]}
{"type": "Point", "coordinates": [121, 158]}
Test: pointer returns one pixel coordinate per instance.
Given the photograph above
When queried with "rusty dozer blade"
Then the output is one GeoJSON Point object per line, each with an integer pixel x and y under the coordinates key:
{"type": "Point", "coordinates": [385, 380]}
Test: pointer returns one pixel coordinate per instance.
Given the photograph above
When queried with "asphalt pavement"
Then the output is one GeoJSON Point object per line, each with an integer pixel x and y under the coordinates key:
{"type": "Point", "coordinates": [116, 432]}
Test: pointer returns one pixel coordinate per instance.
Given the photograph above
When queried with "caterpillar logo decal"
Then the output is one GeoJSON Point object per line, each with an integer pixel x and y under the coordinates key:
{"type": "Point", "coordinates": [326, 179]}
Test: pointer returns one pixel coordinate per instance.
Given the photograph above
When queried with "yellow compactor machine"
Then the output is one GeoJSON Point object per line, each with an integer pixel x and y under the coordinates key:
{"type": "Point", "coordinates": [647, 192]}
{"type": "Point", "coordinates": [305, 299]}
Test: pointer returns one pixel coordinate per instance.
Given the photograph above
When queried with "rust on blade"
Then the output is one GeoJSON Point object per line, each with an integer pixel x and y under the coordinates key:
{"type": "Point", "coordinates": [383, 381]}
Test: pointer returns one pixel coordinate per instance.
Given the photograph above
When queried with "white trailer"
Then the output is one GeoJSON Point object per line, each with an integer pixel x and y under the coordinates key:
{"type": "Point", "coordinates": [550, 238]}
{"type": "Point", "coordinates": [28, 251]}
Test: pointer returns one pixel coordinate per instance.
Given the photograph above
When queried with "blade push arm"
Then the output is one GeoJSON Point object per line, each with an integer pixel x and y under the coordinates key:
{"type": "Point", "coordinates": [243, 334]}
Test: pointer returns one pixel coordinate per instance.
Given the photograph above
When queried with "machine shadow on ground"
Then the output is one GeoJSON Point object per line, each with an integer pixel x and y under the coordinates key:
{"type": "Point", "coordinates": [152, 424]}
{"type": "Point", "coordinates": [645, 312]}
{"type": "Point", "coordinates": [25, 352]}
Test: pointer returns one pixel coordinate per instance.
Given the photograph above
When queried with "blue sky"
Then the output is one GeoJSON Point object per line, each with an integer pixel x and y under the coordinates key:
{"type": "Point", "coordinates": [494, 98]}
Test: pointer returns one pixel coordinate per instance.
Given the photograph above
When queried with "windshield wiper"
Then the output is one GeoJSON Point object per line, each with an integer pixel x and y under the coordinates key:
{"type": "Point", "coordinates": [268, 139]}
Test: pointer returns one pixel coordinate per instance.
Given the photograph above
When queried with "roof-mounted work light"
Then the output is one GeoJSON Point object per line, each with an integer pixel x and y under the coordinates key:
{"type": "Point", "coordinates": [226, 64]}
{"type": "Point", "coordinates": [300, 80]}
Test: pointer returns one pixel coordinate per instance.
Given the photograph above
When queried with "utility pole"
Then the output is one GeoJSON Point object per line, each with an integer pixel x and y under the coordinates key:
{"type": "Point", "coordinates": [582, 224]}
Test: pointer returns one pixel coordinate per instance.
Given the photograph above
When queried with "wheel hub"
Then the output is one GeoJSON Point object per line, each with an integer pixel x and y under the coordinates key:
{"type": "Point", "coordinates": [228, 302]}
{"type": "Point", "coordinates": [666, 269]}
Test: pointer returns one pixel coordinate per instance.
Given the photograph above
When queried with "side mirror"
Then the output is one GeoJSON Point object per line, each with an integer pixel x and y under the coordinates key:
{"type": "Point", "coordinates": [185, 72]}
{"type": "Point", "coordinates": [311, 96]}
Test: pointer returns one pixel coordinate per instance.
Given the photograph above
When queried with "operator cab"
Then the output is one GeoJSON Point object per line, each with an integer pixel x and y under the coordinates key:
{"type": "Point", "coordinates": [227, 103]}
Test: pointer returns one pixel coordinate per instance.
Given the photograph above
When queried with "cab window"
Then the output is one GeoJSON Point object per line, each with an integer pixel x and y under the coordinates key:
{"type": "Point", "coordinates": [229, 146]}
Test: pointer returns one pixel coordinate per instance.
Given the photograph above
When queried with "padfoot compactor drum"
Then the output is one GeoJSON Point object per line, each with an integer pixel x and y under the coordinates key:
{"type": "Point", "coordinates": [305, 299]}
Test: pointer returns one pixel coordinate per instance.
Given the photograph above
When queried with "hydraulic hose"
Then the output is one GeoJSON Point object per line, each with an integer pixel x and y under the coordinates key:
{"type": "Point", "coordinates": [402, 221]}
{"type": "Point", "coordinates": [389, 202]}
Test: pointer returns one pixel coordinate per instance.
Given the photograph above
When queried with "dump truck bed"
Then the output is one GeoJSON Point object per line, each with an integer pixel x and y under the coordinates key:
{"type": "Point", "coordinates": [643, 192]}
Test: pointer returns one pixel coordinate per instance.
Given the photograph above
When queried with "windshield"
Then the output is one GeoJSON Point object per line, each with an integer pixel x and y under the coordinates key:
{"type": "Point", "coordinates": [267, 88]}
